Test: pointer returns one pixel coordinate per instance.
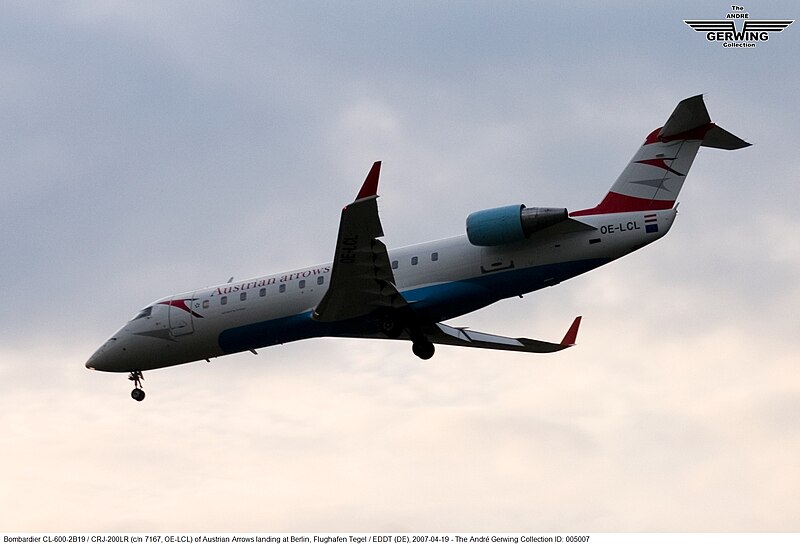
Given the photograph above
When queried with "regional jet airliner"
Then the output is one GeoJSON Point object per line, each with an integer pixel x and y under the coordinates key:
{"type": "Point", "coordinates": [369, 291]}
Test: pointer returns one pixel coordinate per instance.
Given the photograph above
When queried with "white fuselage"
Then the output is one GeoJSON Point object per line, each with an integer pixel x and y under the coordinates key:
{"type": "Point", "coordinates": [440, 280]}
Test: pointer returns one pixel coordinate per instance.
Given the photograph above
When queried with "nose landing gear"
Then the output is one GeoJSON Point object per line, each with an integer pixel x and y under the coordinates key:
{"type": "Point", "coordinates": [138, 393]}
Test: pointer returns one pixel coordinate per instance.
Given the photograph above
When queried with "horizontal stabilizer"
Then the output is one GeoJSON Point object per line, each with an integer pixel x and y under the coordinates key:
{"type": "Point", "coordinates": [691, 115]}
{"type": "Point", "coordinates": [719, 138]}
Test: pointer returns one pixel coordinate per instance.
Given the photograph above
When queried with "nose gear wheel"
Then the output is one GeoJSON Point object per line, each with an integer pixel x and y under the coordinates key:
{"type": "Point", "coordinates": [138, 393]}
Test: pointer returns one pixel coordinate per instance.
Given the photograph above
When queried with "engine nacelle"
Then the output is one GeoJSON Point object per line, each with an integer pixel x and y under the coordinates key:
{"type": "Point", "coordinates": [498, 226]}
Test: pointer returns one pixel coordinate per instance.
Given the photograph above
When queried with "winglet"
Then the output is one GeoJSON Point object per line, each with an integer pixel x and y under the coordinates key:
{"type": "Point", "coordinates": [572, 333]}
{"type": "Point", "coordinates": [370, 187]}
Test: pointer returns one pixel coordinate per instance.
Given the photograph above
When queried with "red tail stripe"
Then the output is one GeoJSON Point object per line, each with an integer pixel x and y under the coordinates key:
{"type": "Point", "coordinates": [695, 134]}
{"type": "Point", "coordinates": [617, 203]}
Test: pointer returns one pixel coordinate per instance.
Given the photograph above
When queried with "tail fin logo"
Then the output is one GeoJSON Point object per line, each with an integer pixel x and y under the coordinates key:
{"type": "Point", "coordinates": [661, 163]}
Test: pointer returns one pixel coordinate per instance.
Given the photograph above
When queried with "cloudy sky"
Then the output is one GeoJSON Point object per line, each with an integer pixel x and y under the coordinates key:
{"type": "Point", "coordinates": [153, 147]}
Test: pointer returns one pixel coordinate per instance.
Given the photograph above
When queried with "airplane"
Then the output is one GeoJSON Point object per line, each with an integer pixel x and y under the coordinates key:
{"type": "Point", "coordinates": [368, 291]}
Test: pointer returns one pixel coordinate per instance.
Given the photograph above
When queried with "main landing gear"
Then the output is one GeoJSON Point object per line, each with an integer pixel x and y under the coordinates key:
{"type": "Point", "coordinates": [393, 325]}
{"type": "Point", "coordinates": [138, 393]}
{"type": "Point", "coordinates": [423, 349]}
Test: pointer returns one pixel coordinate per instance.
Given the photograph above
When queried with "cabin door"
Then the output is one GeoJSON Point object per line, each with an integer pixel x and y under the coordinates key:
{"type": "Point", "coordinates": [180, 316]}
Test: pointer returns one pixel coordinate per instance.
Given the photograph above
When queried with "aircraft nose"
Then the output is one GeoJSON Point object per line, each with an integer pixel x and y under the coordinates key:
{"type": "Point", "coordinates": [94, 362]}
{"type": "Point", "coordinates": [99, 359]}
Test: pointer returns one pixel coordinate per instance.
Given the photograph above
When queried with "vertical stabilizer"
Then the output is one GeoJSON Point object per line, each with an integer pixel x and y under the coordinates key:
{"type": "Point", "coordinates": [655, 174]}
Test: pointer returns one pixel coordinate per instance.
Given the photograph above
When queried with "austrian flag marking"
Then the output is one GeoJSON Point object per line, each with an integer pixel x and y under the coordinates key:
{"type": "Point", "coordinates": [651, 223]}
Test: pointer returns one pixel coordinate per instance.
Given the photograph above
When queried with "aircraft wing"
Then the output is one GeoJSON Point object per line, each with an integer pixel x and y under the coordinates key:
{"type": "Point", "coordinates": [361, 278]}
{"type": "Point", "coordinates": [362, 282]}
{"type": "Point", "coordinates": [463, 337]}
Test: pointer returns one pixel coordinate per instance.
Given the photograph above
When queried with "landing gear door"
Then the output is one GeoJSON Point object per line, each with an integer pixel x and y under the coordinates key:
{"type": "Point", "coordinates": [181, 316]}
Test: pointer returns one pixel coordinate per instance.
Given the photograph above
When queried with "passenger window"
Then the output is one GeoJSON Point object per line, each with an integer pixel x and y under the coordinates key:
{"type": "Point", "coordinates": [302, 284]}
{"type": "Point", "coordinates": [243, 296]}
{"type": "Point", "coordinates": [263, 292]}
{"type": "Point", "coordinates": [435, 256]}
{"type": "Point", "coordinates": [223, 300]}
{"type": "Point", "coordinates": [320, 280]}
{"type": "Point", "coordinates": [282, 288]}
{"type": "Point", "coordinates": [395, 264]}
{"type": "Point", "coordinates": [206, 303]}
{"type": "Point", "coordinates": [414, 261]}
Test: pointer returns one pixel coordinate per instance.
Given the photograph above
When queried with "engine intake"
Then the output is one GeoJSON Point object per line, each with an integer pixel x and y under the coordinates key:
{"type": "Point", "coordinates": [508, 224]}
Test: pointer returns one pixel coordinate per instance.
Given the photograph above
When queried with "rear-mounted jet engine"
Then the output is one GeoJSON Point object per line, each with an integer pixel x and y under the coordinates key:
{"type": "Point", "coordinates": [508, 224]}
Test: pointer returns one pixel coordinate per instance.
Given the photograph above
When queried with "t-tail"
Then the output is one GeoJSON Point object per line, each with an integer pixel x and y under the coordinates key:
{"type": "Point", "coordinates": [655, 175]}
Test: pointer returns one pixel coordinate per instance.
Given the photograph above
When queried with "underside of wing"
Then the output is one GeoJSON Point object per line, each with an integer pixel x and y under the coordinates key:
{"type": "Point", "coordinates": [362, 294]}
{"type": "Point", "coordinates": [463, 337]}
{"type": "Point", "coordinates": [361, 277]}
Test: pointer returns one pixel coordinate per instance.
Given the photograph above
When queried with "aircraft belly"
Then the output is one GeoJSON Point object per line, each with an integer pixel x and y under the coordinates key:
{"type": "Point", "coordinates": [448, 300]}
{"type": "Point", "coordinates": [271, 332]}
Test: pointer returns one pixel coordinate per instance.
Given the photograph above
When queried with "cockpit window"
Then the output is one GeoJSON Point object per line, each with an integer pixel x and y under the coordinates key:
{"type": "Point", "coordinates": [144, 313]}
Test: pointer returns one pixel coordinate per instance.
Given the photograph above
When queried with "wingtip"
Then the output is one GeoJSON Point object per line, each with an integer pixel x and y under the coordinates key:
{"type": "Point", "coordinates": [370, 186]}
{"type": "Point", "coordinates": [572, 333]}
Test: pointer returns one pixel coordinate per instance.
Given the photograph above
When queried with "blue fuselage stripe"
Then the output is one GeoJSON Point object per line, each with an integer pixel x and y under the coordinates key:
{"type": "Point", "coordinates": [433, 303]}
